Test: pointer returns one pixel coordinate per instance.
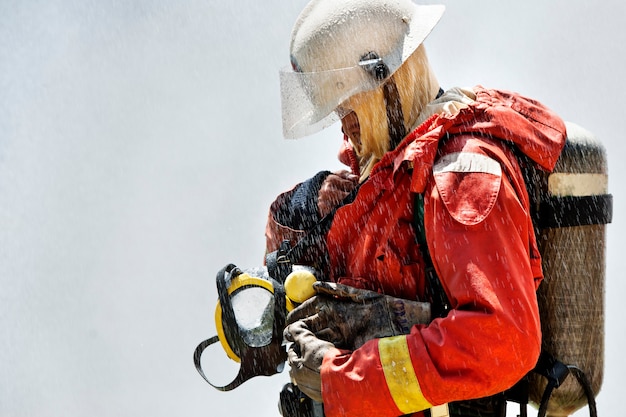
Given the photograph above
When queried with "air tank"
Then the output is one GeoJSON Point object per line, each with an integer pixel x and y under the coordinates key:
{"type": "Point", "coordinates": [573, 206]}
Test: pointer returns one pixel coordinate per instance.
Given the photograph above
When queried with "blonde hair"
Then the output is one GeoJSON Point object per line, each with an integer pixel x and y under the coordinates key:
{"type": "Point", "coordinates": [417, 86]}
{"type": "Point", "coordinates": [374, 133]}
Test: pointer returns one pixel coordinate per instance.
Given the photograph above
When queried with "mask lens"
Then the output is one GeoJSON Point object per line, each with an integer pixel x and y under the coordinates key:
{"type": "Point", "coordinates": [254, 312]}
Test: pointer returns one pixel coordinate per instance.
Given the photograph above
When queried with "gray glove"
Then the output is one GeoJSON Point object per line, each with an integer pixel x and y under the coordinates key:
{"type": "Point", "coordinates": [348, 317]}
{"type": "Point", "coordinates": [305, 357]}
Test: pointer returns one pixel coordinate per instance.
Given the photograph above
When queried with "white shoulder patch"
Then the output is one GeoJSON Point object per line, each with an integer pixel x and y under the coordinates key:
{"type": "Point", "coordinates": [467, 162]}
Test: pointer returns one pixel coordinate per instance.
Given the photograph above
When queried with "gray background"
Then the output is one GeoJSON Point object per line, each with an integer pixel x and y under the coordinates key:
{"type": "Point", "coordinates": [140, 146]}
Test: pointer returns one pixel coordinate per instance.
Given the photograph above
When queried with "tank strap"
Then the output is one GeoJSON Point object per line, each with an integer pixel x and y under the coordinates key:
{"type": "Point", "coordinates": [435, 294]}
{"type": "Point", "coordinates": [555, 372]}
{"type": "Point", "coordinates": [574, 211]}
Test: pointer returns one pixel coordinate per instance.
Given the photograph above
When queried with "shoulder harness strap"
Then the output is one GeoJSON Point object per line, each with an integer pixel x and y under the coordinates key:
{"type": "Point", "coordinates": [440, 305]}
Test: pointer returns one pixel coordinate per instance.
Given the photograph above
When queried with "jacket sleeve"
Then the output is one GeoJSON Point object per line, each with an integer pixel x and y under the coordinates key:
{"type": "Point", "coordinates": [293, 212]}
{"type": "Point", "coordinates": [482, 244]}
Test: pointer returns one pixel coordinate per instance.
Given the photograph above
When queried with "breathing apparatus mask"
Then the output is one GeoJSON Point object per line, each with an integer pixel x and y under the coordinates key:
{"type": "Point", "coordinates": [250, 316]}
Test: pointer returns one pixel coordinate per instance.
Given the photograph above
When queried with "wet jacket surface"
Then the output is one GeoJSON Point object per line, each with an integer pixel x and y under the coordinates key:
{"type": "Point", "coordinates": [481, 240]}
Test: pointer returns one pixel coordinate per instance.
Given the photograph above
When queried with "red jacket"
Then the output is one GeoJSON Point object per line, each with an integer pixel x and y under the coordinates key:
{"type": "Point", "coordinates": [483, 247]}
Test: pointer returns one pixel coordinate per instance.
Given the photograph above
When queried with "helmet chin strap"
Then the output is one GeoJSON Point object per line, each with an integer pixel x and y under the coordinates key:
{"type": "Point", "coordinates": [395, 117]}
{"type": "Point", "coordinates": [373, 64]}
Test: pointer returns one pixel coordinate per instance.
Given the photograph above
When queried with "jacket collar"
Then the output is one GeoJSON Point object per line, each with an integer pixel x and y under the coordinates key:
{"type": "Point", "coordinates": [537, 131]}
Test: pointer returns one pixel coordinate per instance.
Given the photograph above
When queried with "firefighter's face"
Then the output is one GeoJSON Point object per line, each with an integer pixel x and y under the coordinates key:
{"type": "Point", "coordinates": [350, 126]}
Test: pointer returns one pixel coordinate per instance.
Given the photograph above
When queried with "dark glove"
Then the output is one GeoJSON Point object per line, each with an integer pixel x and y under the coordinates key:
{"type": "Point", "coordinates": [348, 317]}
{"type": "Point", "coordinates": [300, 211]}
{"type": "Point", "coordinates": [305, 359]}
{"type": "Point", "coordinates": [334, 189]}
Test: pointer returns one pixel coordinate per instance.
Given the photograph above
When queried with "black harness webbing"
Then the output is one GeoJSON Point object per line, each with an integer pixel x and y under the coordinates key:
{"type": "Point", "coordinates": [574, 211]}
{"type": "Point", "coordinates": [435, 294]}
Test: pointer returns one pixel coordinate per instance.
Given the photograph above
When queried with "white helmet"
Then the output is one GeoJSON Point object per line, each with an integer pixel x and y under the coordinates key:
{"type": "Point", "coordinates": [341, 48]}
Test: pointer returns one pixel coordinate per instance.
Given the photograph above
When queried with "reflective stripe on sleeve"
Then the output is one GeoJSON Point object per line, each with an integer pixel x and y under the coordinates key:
{"type": "Point", "coordinates": [400, 375]}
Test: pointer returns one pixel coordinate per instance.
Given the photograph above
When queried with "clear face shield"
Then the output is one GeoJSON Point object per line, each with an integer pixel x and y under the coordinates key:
{"type": "Point", "coordinates": [390, 31]}
{"type": "Point", "coordinates": [310, 99]}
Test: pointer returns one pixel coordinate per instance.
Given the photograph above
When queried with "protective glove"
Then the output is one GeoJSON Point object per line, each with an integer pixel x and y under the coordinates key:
{"type": "Point", "coordinates": [305, 357]}
{"type": "Point", "coordinates": [348, 317]}
{"type": "Point", "coordinates": [334, 189]}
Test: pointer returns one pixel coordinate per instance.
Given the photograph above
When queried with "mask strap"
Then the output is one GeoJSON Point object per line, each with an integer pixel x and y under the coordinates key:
{"type": "Point", "coordinates": [268, 360]}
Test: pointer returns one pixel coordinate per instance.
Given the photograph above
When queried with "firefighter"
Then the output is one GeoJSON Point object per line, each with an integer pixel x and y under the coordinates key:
{"type": "Point", "coordinates": [439, 186]}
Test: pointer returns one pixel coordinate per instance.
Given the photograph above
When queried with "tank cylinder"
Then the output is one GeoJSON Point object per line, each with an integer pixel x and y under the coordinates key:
{"type": "Point", "coordinates": [571, 297]}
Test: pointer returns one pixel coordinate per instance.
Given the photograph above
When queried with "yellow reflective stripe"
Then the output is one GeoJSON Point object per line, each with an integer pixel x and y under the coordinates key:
{"type": "Point", "coordinates": [400, 375]}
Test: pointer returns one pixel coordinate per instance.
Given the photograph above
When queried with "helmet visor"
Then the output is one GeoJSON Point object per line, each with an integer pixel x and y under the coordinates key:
{"type": "Point", "coordinates": [309, 99]}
